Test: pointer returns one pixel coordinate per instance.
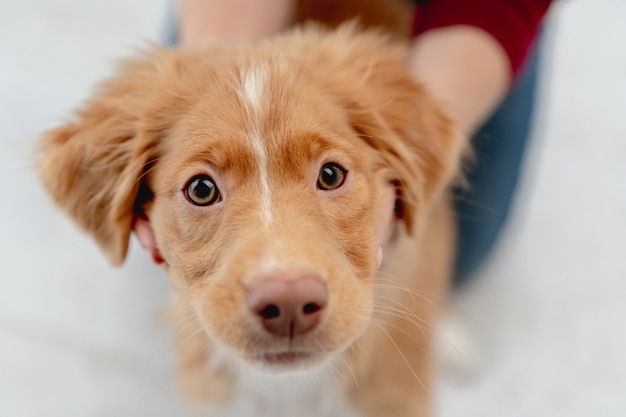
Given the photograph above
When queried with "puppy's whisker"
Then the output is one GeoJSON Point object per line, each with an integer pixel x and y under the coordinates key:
{"type": "Point", "coordinates": [189, 337]}
{"type": "Point", "coordinates": [411, 318]}
{"type": "Point", "coordinates": [393, 283]}
{"type": "Point", "coordinates": [183, 320]}
{"type": "Point", "coordinates": [392, 279]}
{"type": "Point", "coordinates": [400, 329]}
{"type": "Point", "coordinates": [383, 308]}
{"type": "Point", "coordinates": [335, 370]}
{"type": "Point", "coordinates": [180, 330]}
{"type": "Point", "coordinates": [180, 322]}
{"type": "Point", "coordinates": [349, 368]}
{"type": "Point", "coordinates": [415, 298]}
{"type": "Point", "coordinates": [406, 361]}
{"type": "Point", "coordinates": [421, 330]}
{"type": "Point", "coordinates": [337, 373]}
{"type": "Point", "coordinates": [400, 307]}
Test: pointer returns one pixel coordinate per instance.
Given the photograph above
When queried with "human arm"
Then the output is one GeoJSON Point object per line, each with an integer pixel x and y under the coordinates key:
{"type": "Point", "coordinates": [469, 53]}
{"type": "Point", "coordinates": [465, 69]}
{"type": "Point", "coordinates": [233, 20]}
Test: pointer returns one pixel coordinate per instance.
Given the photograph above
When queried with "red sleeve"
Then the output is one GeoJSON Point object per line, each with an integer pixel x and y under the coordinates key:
{"type": "Point", "coordinates": [513, 23]}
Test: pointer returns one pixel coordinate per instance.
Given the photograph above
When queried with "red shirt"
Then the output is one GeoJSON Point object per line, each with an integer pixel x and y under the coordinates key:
{"type": "Point", "coordinates": [513, 23]}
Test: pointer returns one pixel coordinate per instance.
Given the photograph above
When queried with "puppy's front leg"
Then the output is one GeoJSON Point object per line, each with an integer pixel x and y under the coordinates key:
{"type": "Point", "coordinates": [203, 382]}
{"type": "Point", "coordinates": [397, 368]}
{"type": "Point", "coordinates": [395, 359]}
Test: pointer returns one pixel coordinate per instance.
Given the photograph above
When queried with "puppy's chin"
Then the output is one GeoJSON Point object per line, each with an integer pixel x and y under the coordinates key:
{"type": "Point", "coordinates": [286, 357]}
{"type": "Point", "coordinates": [287, 361]}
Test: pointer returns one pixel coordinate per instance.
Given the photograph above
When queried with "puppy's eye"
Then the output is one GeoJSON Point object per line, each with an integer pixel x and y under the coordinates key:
{"type": "Point", "coordinates": [202, 191]}
{"type": "Point", "coordinates": [331, 177]}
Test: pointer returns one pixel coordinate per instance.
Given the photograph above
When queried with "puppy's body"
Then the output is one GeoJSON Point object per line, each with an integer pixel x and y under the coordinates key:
{"type": "Point", "coordinates": [271, 181]}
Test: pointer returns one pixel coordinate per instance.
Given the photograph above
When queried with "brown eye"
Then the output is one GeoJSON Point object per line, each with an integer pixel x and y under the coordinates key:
{"type": "Point", "coordinates": [202, 191]}
{"type": "Point", "coordinates": [331, 177]}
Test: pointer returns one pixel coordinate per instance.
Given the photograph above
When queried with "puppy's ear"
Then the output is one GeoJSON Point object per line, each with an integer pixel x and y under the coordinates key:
{"type": "Point", "coordinates": [393, 114]}
{"type": "Point", "coordinates": [93, 167]}
{"type": "Point", "coordinates": [416, 141]}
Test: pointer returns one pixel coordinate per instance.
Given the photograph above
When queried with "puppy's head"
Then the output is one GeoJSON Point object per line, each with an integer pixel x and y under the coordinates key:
{"type": "Point", "coordinates": [262, 178]}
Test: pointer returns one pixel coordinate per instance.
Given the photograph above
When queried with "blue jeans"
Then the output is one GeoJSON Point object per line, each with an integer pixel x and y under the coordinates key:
{"type": "Point", "coordinates": [500, 145]}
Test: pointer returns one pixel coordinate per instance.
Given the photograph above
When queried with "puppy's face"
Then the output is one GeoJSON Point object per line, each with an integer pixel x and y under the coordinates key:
{"type": "Point", "coordinates": [265, 211]}
{"type": "Point", "coordinates": [262, 179]}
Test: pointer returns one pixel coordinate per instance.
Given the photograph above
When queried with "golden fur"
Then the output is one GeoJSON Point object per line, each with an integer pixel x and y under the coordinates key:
{"type": "Point", "coordinates": [344, 96]}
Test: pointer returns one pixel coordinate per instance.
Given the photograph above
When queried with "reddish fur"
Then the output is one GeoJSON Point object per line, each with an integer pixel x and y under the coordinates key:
{"type": "Point", "coordinates": [338, 96]}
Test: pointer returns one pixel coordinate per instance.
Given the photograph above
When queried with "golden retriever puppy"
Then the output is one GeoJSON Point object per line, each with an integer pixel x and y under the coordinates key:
{"type": "Point", "coordinates": [294, 191]}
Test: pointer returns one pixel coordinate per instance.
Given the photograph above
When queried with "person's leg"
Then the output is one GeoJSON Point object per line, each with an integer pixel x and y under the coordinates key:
{"type": "Point", "coordinates": [499, 146]}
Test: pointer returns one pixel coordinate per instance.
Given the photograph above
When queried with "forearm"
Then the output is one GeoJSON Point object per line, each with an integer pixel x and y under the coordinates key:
{"type": "Point", "coordinates": [465, 69]}
{"type": "Point", "coordinates": [232, 20]}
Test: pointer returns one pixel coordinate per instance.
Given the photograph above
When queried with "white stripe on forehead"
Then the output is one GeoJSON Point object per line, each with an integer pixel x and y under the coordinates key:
{"type": "Point", "coordinates": [253, 86]}
{"type": "Point", "coordinates": [266, 201]}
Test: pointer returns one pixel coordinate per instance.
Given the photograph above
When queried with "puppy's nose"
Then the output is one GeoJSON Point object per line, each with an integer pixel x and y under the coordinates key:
{"type": "Point", "coordinates": [288, 307]}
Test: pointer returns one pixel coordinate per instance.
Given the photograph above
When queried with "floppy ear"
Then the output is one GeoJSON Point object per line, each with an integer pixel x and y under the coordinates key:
{"type": "Point", "coordinates": [393, 114]}
{"type": "Point", "coordinates": [93, 166]}
{"type": "Point", "coordinates": [418, 143]}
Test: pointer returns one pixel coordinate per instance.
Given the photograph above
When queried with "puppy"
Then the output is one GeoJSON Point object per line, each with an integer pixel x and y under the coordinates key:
{"type": "Point", "coordinates": [294, 191]}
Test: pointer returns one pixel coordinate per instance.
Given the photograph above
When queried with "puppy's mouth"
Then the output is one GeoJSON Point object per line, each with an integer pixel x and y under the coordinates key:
{"type": "Point", "coordinates": [285, 357]}
{"type": "Point", "coordinates": [288, 359]}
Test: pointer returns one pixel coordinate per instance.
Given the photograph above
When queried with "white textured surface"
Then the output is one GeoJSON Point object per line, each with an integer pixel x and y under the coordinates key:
{"type": "Point", "coordinates": [78, 338]}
